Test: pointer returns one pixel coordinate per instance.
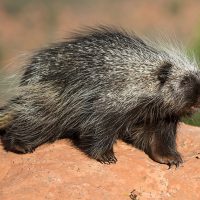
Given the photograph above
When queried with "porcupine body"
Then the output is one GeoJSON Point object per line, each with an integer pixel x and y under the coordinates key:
{"type": "Point", "coordinates": [101, 86]}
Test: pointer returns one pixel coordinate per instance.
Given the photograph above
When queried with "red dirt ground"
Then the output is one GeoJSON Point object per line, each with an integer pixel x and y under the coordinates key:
{"type": "Point", "coordinates": [60, 171]}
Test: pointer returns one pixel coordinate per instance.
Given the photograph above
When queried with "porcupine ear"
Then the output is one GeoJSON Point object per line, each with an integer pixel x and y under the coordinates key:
{"type": "Point", "coordinates": [164, 72]}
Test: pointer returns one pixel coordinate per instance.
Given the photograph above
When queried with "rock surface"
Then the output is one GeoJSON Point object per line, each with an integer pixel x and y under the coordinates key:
{"type": "Point", "coordinates": [60, 171]}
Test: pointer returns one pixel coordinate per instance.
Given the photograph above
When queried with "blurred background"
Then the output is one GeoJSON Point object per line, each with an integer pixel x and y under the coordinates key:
{"type": "Point", "coordinates": [30, 24]}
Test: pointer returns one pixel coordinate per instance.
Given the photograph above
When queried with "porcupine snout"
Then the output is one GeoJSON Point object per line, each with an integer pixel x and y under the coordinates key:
{"type": "Point", "coordinates": [191, 83]}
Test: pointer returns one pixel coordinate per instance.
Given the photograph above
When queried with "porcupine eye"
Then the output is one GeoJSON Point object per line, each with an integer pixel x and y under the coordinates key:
{"type": "Point", "coordinates": [185, 81]}
{"type": "Point", "coordinates": [164, 72]}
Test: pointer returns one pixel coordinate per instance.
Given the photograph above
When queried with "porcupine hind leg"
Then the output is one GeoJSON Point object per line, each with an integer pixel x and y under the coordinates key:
{"type": "Point", "coordinates": [34, 122]}
{"type": "Point", "coordinates": [25, 135]}
{"type": "Point", "coordinates": [21, 136]}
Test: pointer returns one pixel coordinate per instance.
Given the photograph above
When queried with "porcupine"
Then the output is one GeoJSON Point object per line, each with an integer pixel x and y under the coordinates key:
{"type": "Point", "coordinates": [99, 86]}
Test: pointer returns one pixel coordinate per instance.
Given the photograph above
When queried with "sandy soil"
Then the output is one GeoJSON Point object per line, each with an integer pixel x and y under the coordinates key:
{"type": "Point", "coordinates": [60, 171]}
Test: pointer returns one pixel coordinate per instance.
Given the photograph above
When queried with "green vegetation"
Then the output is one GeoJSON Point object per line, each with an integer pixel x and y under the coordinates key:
{"type": "Point", "coordinates": [174, 6]}
{"type": "Point", "coordinates": [195, 119]}
{"type": "Point", "coordinates": [196, 44]}
{"type": "Point", "coordinates": [14, 7]}
{"type": "Point", "coordinates": [1, 54]}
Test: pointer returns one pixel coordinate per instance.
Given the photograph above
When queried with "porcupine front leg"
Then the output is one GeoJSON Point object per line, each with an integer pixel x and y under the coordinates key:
{"type": "Point", "coordinates": [162, 146]}
{"type": "Point", "coordinates": [98, 146]}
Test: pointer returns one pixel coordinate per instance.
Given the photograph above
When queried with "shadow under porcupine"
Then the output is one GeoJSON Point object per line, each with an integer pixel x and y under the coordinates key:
{"type": "Point", "coordinates": [101, 86]}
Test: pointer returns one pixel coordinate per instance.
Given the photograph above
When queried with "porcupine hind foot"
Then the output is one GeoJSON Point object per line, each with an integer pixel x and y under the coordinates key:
{"type": "Point", "coordinates": [11, 144]}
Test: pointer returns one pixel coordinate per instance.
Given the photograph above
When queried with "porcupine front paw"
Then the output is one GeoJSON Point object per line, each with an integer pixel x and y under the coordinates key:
{"type": "Point", "coordinates": [171, 159]}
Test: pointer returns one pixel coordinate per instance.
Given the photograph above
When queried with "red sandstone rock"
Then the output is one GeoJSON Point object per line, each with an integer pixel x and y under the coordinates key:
{"type": "Point", "coordinates": [60, 171]}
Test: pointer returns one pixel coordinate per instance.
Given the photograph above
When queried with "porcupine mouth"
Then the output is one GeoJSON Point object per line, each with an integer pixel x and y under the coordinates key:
{"type": "Point", "coordinates": [189, 111]}
{"type": "Point", "coordinates": [195, 108]}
